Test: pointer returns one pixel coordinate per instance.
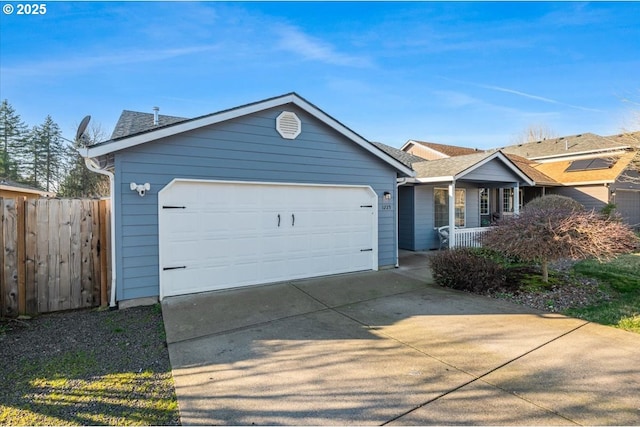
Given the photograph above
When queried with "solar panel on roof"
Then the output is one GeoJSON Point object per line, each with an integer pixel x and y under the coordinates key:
{"type": "Point", "coordinates": [591, 164]}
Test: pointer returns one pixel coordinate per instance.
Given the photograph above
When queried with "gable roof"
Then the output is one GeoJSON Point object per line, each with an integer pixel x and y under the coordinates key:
{"type": "Point", "coordinates": [454, 168]}
{"type": "Point", "coordinates": [559, 171]}
{"type": "Point", "coordinates": [630, 138]}
{"type": "Point", "coordinates": [582, 144]}
{"type": "Point", "coordinates": [447, 150]}
{"type": "Point", "coordinates": [132, 122]}
{"type": "Point", "coordinates": [170, 129]}
{"type": "Point", "coordinates": [402, 156]}
{"type": "Point", "coordinates": [529, 168]}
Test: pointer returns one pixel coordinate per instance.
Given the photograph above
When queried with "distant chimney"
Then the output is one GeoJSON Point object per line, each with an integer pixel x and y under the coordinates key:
{"type": "Point", "coordinates": [156, 122]}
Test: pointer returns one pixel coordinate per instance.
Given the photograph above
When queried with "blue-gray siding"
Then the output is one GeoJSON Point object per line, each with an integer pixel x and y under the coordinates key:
{"type": "Point", "coordinates": [590, 196]}
{"type": "Point", "coordinates": [244, 149]}
{"type": "Point", "coordinates": [406, 214]}
{"type": "Point", "coordinates": [426, 237]}
{"type": "Point", "coordinates": [416, 214]}
{"type": "Point", "coordinates": [492, 171]}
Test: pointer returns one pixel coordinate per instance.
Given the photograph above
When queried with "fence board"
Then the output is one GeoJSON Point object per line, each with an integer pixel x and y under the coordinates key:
{"type": "Point", "coordinates": [64, 251]}
{"type": "Point", "coordinates": [10, 261]}
{"type": "Point", "coordinates": [31, 280]}
{"type": "Point", "coordinates": [20, 246]}
{"type": "Point", "coordinates": [103, 256]}
{"type": "Point", "coordinates": [54, 258]}
{"type": "Point", "coordinates": [55, 255]}
{"type": "Point", "coordinates": [77, 291]}
{"type": "Point", "coordinates": [42, 254]}
{"type": "Point", "coordinates": [86, 267]}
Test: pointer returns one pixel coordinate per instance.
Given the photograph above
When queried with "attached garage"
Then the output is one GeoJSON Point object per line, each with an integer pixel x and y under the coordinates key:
{"type": "Point", "coordinates": [270, 191]}
{"type": "Point", "coordinates": [219, 234]}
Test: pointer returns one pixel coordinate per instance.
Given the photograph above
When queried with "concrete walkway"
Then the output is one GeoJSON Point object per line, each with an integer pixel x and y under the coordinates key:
{"type": "Point", "coordinates": [379, 348]}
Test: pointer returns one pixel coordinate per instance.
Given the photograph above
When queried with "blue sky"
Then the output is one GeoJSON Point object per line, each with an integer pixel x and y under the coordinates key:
{"type": "Point", "coordinates": [475, 74]}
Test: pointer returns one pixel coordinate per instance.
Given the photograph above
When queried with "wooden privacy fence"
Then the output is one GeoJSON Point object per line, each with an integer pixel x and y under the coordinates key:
{"type": "Point", "coordinates": [55, 256]}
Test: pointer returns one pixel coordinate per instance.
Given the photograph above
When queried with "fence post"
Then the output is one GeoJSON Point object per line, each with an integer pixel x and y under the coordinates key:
{"type": "Point", "coordinates": [31, 280]}
{"type": "Point", "coordinates": [22, 285]}
{"type": "Point", "coordinates": [42, 254]}
{"type": "Point", "coordinates": [10, 258]}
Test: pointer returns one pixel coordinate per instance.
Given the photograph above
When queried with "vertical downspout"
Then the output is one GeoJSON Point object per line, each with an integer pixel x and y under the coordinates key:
{"type": "Point", "coordinates": [400, 182]}
{"type": "Point", "coordinates": [94, 168]}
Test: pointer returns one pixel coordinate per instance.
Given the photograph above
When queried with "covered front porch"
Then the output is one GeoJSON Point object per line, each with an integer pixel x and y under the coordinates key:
{"type": "Point", "coordinates": [460, 196]}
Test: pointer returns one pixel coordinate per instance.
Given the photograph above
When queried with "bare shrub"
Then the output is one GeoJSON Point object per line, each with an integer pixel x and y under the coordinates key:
{"type": "Point", "coordinates": [548, 232]}
{"type": "Point", "coordinates": [554, 201]}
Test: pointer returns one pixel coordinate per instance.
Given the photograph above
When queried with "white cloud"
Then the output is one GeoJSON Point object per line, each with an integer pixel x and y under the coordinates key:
{"type": "Point", "coordinates": [81, 64]}
{"type": "Point", "coordinates": [292, 39]}
{"type": "Point", "coordinates": [456, 99]}
{"type": "Point", "coordinates": [537, 98]}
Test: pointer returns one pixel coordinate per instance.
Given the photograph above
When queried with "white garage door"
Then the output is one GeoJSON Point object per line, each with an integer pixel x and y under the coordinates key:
{"type": "Point", "coordinates": [219, 234]}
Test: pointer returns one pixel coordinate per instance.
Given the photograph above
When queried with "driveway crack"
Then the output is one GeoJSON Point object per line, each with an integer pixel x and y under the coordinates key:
{"type": "Point", "coordinates": [480, 378]}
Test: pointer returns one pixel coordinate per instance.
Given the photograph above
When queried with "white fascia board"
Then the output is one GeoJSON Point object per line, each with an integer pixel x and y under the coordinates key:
{"type": "Point", "coordinates": [320, 115]}
{"type": "Point", "coordinates": [185, 127]}
{"type": "Point", "coordinates": [582, 183]}
{"type": "Point", "coordinates": [433, 179]}
{"type": "Point", "coordinates": [581, 154]}
{"type": "Point", "coordinates": [407, 144]}
{"type": "Point", "coordinates": [239, 112]}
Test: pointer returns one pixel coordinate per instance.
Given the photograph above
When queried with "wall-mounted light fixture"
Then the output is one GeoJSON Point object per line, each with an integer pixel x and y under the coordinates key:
{"type": "Point", "coordinates": [140, 188]}
{"type": "Point", "coordinates": [386, 195]}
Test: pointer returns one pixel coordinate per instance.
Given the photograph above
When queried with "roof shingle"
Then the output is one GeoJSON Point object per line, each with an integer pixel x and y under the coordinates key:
{"type": "Point", "coordinates": [132, 122]}
{"type": "Point", "coordinates": [401, 156]}
{"type": "Point", "coordinates": [566, 145]}
{"type": "Point", "coordinates": [448, 150]}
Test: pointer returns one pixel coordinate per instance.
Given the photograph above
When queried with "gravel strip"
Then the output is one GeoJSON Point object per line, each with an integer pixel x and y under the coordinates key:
{"type": "Point", "coordinates": [87, 367]}
{"type": "Point", "coordinates": [572, 292]}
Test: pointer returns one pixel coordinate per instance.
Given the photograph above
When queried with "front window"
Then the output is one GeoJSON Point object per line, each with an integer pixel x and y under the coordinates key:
{"type": "Point", "coordinates": [484, 201]}
{"type": "Point", "coordinates": [507, 200]}
{"type": "Point", "coordinates": [441, 207]}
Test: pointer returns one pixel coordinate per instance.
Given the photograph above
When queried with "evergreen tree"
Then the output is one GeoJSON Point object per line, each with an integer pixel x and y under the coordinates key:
{"type": "Point", "coordinates": [80, 181]}
{"type": "Point", "coordinates": [12, 134]}
{"type": "Point", "coordinates": [44, 161]}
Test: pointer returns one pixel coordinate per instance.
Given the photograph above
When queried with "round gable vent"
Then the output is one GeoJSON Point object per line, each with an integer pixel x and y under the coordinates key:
{"type": "Point", "coordinates": [288, 125]}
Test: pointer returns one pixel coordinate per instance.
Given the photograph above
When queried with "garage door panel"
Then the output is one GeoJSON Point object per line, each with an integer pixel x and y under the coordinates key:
{"type": "Point", "coordinates": [238, 234]}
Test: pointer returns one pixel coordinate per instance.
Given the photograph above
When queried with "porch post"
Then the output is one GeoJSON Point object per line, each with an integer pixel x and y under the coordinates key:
{"type": "Point", "coordinates": [452, 214]}
{"type": "Point", "coordinates": [516, 199]}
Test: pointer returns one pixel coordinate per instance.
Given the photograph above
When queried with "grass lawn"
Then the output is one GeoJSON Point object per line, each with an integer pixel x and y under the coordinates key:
{"type": "Point", "coordinates": [620, 279]}
{"type": "Point", "coordinates": [87, 367]}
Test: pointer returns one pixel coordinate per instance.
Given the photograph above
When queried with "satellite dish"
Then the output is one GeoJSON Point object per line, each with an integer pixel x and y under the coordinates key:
{"type": "Point", "coordinates": [83, 126]}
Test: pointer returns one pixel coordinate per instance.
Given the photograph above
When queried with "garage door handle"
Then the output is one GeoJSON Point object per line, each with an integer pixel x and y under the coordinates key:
{"type": "Point", "coordinates": [174, 268]}
{"type": "Point", "coordinates": [278, 220]}
{"type": "Point", "coordinates": [293, 220]}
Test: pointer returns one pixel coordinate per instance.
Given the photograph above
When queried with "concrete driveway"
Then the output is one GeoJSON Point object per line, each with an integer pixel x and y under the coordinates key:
{"type": "Point", "coordinates": [389, 348]}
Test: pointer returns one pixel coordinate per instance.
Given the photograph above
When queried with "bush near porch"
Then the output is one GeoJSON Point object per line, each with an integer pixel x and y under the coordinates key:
{"type": "Point", "coordinates": [602, 292]}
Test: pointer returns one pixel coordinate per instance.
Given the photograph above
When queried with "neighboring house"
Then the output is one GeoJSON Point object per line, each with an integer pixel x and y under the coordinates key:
{"type": "Point", "coordinates": [265, 192]}
{"type": "Point", "coordinates": [12, 189]}
{"type": "Point", "coordinates": [433, 151]}
{"type": "Point", "coordinates": [590, 169]}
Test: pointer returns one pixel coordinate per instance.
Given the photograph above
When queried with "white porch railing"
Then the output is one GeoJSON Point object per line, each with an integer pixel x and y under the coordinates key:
{"type": "Point", "coordinates": [469, 237]}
